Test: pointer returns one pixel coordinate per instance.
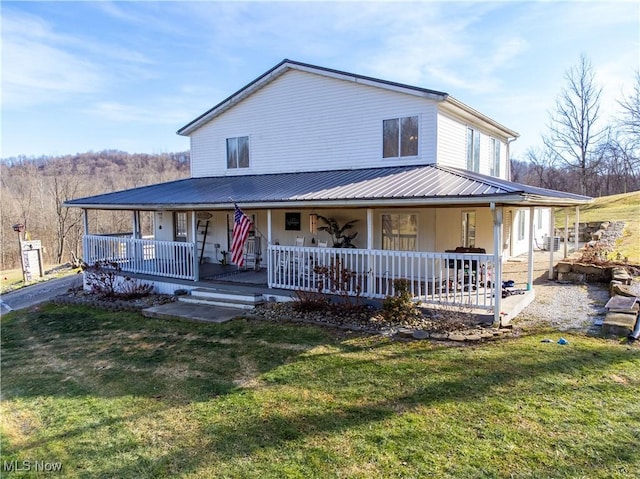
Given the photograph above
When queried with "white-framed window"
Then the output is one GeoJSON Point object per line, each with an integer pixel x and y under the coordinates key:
{"type": "Point", "coordinates": [400, 137]}
{"type": "Point", "coordinates": [469, 229]}
{"type": "Point", "coordinates": [180, 226]}
{"type": "Point", "coordinates": [400, 231]}
{"type": "Point", "coordinates": [539, 213]}
{"type": "Point", "coordinates": [238, 152]}
{"type": "Point", "coordinates": [495, 157]}
{"type": "Point", "coordinates": [473, 150]}
{"type": "Point", "coordinates": [521, 224]}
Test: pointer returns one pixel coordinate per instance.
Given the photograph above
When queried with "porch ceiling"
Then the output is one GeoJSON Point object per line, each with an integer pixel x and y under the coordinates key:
{"type": "Point", "coordinates": [418, 185]}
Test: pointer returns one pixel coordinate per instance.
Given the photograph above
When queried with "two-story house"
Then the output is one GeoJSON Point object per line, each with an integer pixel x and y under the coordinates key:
{"type": "Point", "coordinates": [421, 172]}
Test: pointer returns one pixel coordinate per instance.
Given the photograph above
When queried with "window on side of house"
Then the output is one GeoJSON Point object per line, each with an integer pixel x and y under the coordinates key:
{"type": "Point", "coordinates": [400, 137]}
{"type": "Point", "coordinates": [539, 214]}
{"type": "Point", "coordinates": [238, 152]}
{"type": "Point", "coordinates": [521, 225]}
{"type": "Point", "coordinates": [495, 157]}
{"type": "Point", "coordinates": [469, 229]}
{"type": "Point", "coordinates": [473, 150]}
{"type": "Point", "coordinates": [400, 232]}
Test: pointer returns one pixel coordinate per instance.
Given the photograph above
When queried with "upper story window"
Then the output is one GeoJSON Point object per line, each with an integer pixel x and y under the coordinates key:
{"type": "Point", "coordinates": [473, 150]}
{"type": "Point", "coordinates": [400, 232]}
{"type": "Point", "coordinates": [238, 152]}
{"type": "Point", "coordinates": [495, 157]}
{"type": "Point", "coordinates": [400, 137]}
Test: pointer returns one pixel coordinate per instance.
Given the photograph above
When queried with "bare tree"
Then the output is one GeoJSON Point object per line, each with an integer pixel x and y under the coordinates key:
{"type": "Point", "coordinates": [572, 128]}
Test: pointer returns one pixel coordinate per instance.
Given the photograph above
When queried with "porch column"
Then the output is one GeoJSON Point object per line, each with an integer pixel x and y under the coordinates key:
{"type": "Point", "coordinates": [576, 239]}
{"type": "Point", "coordinates": [136, 225]}
{"type": "Point", "coordinates": [370, 286]}
{"type": "Point", "coordinates": [369, 228]}
{"type": "Point", "coordinates": [85, 220]}
{"type": "Point", "coordinates": [530, 266]}
{"type": "Point", "coordinates": [497, 257]}
{"type": "Point", "coordinates": [194, 236]}
{"type": "Point", "coordinates": [269, 226]}
{"type": "Point", "coordinates": [552, 222]}
{"type": "Point", "coordinates": [566, 233]}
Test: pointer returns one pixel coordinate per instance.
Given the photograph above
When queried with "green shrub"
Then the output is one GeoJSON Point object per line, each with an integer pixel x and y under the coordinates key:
{"type": "Point", "coordinates": [400, 307]}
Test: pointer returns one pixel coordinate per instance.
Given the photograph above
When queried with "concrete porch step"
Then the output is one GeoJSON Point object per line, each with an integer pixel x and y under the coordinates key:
{"type": "Point", "coordinates": [225, 298]}
{"type": "Point", "coordinates": [192, 312]}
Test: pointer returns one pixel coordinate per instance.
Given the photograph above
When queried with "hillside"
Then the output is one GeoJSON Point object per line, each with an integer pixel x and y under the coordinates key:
{"type": "Point", "coordinates": [624, 207]}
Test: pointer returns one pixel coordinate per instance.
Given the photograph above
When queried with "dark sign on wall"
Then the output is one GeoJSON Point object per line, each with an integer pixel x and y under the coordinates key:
{"type": "Point", "coordinates": [292, 221]}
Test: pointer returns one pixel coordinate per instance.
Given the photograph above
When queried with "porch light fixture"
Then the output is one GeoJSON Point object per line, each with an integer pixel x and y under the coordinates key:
{"type": "Point", "coordinates": [313, 223]}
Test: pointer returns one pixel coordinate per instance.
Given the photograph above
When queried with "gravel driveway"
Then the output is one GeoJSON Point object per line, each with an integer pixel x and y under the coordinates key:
{"type": "Point", "coordinates": [562, 306]}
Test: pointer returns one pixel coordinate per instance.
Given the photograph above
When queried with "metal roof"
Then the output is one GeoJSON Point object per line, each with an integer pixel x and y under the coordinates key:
{"type": "Point", "coordinates": [420, 185]}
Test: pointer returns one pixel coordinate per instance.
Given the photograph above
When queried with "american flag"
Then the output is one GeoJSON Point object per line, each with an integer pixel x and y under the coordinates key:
{"type": "Point", "coordinates": [241, 227]}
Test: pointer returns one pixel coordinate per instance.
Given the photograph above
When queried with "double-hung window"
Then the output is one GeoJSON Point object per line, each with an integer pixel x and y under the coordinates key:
{"type": "Point", "coordinates": [473, 150]}
{"type": "Point", "coordinates": [495, 157]}
{"type": "Point", "coordinates": [238, 152]}
{"type": "Point", "coordinates": [521, 224]}
{"type": "Point", "coordinates": [400, 232]}
{"type": "Point", "coordinates": [400, 137]}
{"type": "Point", "coordinates": [469, 229]}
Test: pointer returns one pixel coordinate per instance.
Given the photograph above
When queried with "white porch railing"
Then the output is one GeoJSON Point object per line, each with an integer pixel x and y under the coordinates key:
{"type": "Point", "coordinates": [461, 279]}
{"type": "Point", "coordinates": [159, 258]}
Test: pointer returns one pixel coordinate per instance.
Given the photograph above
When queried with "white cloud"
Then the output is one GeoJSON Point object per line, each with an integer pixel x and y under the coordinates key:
{"type": "Point", "coordinates": [37, 71]}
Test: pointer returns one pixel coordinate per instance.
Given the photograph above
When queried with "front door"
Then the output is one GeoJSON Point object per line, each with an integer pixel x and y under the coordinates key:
{"type": "Point", "coordinates": [180, 226]}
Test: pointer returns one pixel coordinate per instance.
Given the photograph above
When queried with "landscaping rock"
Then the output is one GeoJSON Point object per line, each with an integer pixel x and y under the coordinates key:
{"type": "Point", "coordinates": [420, 334]}
{"type": "Point", "coordinates": [619, 324]}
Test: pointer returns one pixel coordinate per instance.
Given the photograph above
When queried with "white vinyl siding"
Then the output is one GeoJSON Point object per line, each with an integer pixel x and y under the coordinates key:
{"type": "Point", "coordinates": [452, 145]}
{"type": "Point", "coordinates": [307, 122]}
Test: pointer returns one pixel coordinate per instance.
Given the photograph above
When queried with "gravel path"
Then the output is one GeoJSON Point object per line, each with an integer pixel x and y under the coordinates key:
{"type": "Point", "coordinates": [562, 306]}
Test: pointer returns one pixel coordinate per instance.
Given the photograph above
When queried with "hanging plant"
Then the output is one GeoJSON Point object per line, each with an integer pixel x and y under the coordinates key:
{"type": "Point", "coordinates": [340, 238]}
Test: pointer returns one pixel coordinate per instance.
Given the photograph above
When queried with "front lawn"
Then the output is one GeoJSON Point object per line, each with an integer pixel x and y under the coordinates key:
{"type": "Point", "coordinates": [118, 395]}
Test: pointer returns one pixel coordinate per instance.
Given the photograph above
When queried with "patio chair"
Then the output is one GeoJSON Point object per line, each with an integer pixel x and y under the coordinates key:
{"type": "Point", "coordinates": [323, 244]}
{"type": "Point", "coordinates": [252, 253]}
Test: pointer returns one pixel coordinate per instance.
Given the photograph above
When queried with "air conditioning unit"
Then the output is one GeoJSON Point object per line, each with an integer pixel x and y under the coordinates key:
{"type": "Point", "coordinates": [546, 243]}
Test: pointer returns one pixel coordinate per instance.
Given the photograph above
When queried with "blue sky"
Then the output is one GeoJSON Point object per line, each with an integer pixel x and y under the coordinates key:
{"type": "Point", "coordinates": [80, 76]}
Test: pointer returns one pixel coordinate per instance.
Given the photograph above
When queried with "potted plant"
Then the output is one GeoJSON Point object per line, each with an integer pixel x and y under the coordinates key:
{"type": "Point", "coordinates": [340, 238]}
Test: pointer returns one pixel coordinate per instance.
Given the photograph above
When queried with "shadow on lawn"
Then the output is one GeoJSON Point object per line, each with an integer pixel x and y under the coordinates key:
{"type": "Point", "coordinates": [396, 380]}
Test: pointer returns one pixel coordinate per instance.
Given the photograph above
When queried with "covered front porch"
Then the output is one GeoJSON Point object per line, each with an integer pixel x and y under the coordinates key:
{"type": "Point", "coordinates": [445, 232]}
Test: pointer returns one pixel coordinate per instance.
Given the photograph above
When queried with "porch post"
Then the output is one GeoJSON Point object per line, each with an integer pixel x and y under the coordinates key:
{"type": "Point", "coordinates": [370, 286]}
{"type": "Point", "coordinates": [530, 266]}
{"type": "Point", "coordinates": [497, 257]}
{"type": "Point", "coordinates": [136, 225]}
{"type": "Point", "coordinates": [194, 236]}
{"type": "Point", "coordinates": [369, 228]}
{"type": "Point", "coordinates": [552, 222]}
{"type": "Point", "coordinates": [268, 226]}
{"type": "Point", "coordinates": [566, 233]}
{"type": "Point", "coordinates": [576, 239]}
{"type": "Point", "coordinates": [85, 220]}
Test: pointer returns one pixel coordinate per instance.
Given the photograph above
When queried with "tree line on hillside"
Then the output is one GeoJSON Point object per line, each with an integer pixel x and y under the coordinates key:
{"type": "Point", "coordinates": [582, 151]}
{"type": "Point", "coordinates": [33, 191]}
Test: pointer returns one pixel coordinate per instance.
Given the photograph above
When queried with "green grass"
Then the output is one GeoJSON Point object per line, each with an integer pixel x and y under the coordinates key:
{"type": "Point", "coordinates": [624, 207]}
{"type": "Point", "coordinates": [12, 279]}
{"type": "Point", "coordinates": [118, 395]}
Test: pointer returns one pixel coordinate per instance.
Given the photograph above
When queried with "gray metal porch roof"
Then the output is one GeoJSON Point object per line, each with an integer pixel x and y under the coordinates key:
{"type": "Point", "coordinates": [422, 185]}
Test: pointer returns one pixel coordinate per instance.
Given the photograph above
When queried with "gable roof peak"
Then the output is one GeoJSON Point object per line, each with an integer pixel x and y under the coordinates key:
{"type": "Point", "coordinates": [286, 65]}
